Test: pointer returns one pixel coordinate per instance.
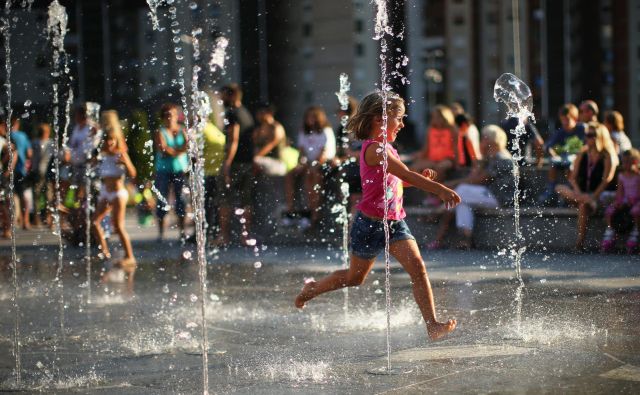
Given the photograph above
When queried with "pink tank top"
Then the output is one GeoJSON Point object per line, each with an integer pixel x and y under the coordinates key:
{"type": "Point", "coordinates": [372, 202]}
{"type": "Point", "coordinates": [631, 185]}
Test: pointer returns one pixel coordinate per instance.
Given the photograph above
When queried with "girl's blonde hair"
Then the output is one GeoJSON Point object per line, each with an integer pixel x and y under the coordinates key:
{"type": "Point", "coordinates": [361, 123]}
{"type": "Point", "coordinates": [445, 114]}
{"type": "Point", "coordinates": [111, 127]}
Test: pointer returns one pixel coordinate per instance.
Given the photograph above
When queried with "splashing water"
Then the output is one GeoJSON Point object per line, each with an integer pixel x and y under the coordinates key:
{"type": "Point", "coordinates": [218, 55]}
{"type": "Point", "coordinates": [382, 29]}
{"type": "Point", "coordinates": [516, 96]}
{"type": "Point", "coordinates": [153, 14]}
{"type": "Point", "coordinates": [6, 33]}
{"type": "Point", "coordinates": [343, 217]}
{"type": "Point", "coordinates": [201, 112]}
{"type": "Point", "coordinates": [56, 30]}
{"type": "Point", "coordinates": [93, 112]}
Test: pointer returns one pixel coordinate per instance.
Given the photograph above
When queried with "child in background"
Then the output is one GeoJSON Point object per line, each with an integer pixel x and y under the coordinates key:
{"type": "Point", "coordinates": [563, 147]}
{"type": "Point", "coordinates": [627, 198]}
{"type": "Point", "coordinates": [367, 230]}
{"type": "Point", "coordinates": [114, 165]}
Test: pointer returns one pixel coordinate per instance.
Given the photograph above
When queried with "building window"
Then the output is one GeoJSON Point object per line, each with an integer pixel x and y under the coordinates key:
{"type": "Point", "coordinates": [359, 49]}
{"type": "Point", "coordinates": [359, 27]}
{"type": "Point", "coordinates": [458, 20]}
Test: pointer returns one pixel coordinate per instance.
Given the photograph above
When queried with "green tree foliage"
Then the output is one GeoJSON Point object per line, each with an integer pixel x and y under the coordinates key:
{"type": "Point", "coordinates": [140, 142]}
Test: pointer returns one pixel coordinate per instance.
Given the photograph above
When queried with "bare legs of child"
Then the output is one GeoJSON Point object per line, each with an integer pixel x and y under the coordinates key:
{"type": "Point", "coordinates": [118, 207]}
{"type": "Point", "coordinates": [408, 254]}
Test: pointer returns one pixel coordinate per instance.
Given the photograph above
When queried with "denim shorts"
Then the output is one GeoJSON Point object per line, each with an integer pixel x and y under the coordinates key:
{"type": "Point", "coordinates": [367, 235]}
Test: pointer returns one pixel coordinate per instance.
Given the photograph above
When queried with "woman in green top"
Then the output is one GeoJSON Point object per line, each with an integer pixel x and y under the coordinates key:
{"type": "Point", "coordinates": [172, 164]}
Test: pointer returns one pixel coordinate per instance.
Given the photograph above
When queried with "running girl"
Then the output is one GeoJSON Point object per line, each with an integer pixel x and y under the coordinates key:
{"type": "Point", "coordinates": [114, 165]}
{"type": "Point", "coordinates": [367, 233]}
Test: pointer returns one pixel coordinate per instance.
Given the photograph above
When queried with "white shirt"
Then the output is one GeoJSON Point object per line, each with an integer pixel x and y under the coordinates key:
{"type": "Point", "coordinates": [82, 143]}
{"type": "Point", "coordinates": [313, 144]}
{"type": "Point", "coordinates": [622, 141]}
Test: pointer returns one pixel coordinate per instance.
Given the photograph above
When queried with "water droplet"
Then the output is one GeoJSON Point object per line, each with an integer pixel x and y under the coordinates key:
{"type": "Point", "coordinates": [257, 265]}
{"type": "Point", "coordinates": [193, 298]}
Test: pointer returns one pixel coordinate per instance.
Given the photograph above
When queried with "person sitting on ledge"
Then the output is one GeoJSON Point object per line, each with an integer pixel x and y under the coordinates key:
{"type": "Point", "coordinates": [490, 184]}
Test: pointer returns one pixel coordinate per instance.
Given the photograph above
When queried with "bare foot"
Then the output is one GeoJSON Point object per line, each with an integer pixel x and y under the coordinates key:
{"type": "Point", "coordinates": [437, 330]}
{"type": "Point", "coordinates": [307, 293]}
{"type": "Point", "coordinates": [128, 265]}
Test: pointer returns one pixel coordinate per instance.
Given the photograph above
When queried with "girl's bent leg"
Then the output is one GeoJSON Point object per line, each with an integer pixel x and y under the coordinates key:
{"type": "Point", "coordinates": [101, 211]}
{"type": "Point", "coordinates": [358, 270]}
{"type": "Point", "coordinates": [408, 254]}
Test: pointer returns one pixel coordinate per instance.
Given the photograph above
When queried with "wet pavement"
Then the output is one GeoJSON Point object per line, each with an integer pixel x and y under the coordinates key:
{"type": "Point", "coordinates": [580, 328]}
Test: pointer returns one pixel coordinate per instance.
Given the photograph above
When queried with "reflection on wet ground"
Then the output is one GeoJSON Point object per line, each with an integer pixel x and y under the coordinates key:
{"type": "Point", "coordinates": [580, 330]}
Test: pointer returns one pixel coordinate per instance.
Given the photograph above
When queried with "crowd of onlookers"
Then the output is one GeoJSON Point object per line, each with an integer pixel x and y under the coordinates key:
{"type": "Point", "coordinates": [591, 165]}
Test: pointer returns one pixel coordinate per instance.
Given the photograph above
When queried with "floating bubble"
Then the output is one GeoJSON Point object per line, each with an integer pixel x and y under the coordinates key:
{"type": "Point", "coordinates": [239, 211]}
{"type": "Point", "coordinates": [186, 255]}
{"type": "Point", "coordinates": [257, 265]}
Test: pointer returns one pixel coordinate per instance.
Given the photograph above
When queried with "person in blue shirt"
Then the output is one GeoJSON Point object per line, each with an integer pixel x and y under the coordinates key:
{"type": "Point", "coordinates": [563, 146]}
{"type": "Point", "coordinates": [20, 182]}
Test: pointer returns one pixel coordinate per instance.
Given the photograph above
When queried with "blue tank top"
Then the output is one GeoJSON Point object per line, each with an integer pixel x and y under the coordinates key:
{"type": "Point", "coordinates": [172, 164]}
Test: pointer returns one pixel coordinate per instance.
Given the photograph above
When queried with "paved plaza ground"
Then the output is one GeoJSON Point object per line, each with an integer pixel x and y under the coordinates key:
{"type": "Point", "coordinates": [579, 331]}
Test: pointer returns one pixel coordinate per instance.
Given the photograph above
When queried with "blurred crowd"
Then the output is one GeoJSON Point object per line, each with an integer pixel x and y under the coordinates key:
{"type": "Point", "coordinates": [588, 163]}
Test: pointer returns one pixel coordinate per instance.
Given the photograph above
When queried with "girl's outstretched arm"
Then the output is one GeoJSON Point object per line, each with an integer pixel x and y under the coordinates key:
{"type": "Point", "coordinates": [400, 170]}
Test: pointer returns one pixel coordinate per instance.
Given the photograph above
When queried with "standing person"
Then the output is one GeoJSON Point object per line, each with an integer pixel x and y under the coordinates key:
{"type": "Point", "coordinates": [614, 122]}
{"type": "Point", "coordinates": [627, 200]}
{"type": "Point", "coordinates": [172, 165]}
{"type": "Point", "coordinates": [317, 145]}
{"type": "Point", "coordinates": [563, 147]}
{"type": "Point", "coordinates": [269, 139]}
{"type": "Point", "coordinates": [114, 165]}
{"type": "Point", "coordinates": [367, 233]}
{"type": "Point", "coordinates": [490, 184]}
{"type": "Point", "coordinates": [24, 152]}
{"type": "Point", "coordinates": [85, 138]}
{"type": "Point", "coordinates": [440, 148]}
{"type": "Point", "coordinates": [213, 156]}
{"type": "Point", "coordinates": [593, 170]}
{"type": "Point", "coordinates": [6, 167]}
{"type": "Point", "coordinates": [237, 169]}
{"type": "Point", "coordinates": [43, 148]}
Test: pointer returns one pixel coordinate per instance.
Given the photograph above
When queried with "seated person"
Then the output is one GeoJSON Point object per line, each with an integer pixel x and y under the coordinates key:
{"type": "Point", "coordinates": [468, 141]}
{"type": "Point", "coordinates": [490, 184]}
{"type": "Point", "coordinates": [563, 147]}
{"type": "Point", "coordinates": [439, 151]}
{"type": "Point", "coordinates": [593, 170]}
{"type": "Point", "coordinates": [317, 145]}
